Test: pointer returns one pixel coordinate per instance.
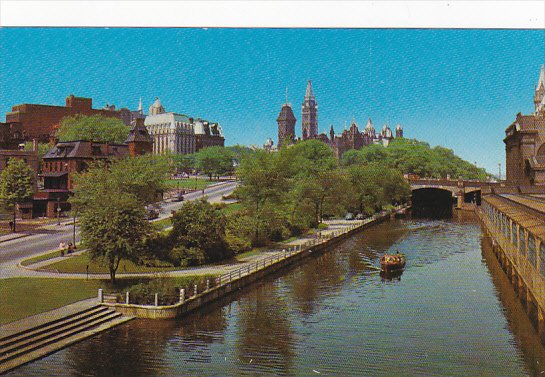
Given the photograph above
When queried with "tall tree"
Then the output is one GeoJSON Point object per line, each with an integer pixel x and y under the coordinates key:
{"type": "Point", "coordinates": [200, 225]}
{"type": "Point", "coordinates": [215, 161]}
{"type": "Point", "coordinates": [16, 185]}
{"type": "Point", "coordinates": [114, 228]}
{"type": "Point", "coordinates": [142, 176]}
{"type": "Point", "coordinates": [94, 128]}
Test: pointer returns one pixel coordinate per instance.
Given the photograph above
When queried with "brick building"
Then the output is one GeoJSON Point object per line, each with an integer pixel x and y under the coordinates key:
{"type": "Point", "coordinates": [39, 121]}
{"type": "Point", "coordinates": [525, 142]}
{"type": "Point", "coordinates": [11, 135]}
{"type": "Point", "coordinates": [59, 166]}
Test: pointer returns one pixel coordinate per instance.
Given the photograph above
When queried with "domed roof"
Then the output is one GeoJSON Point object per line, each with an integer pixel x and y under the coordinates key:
{"type": "Point", "coordinates": [398, 127]}
{"type": "Point", "coordinates": [156, 107]}
{"type": "Point", "coordinates": [268, 143]}
{"type": "Point", "coordinates": [385, 127]}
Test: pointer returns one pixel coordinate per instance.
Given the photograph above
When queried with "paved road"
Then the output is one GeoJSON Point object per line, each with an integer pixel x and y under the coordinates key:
{"type": "Point", "coordinates": [15, 271]}
{"type": "Point", "coordinates": [12, 252]}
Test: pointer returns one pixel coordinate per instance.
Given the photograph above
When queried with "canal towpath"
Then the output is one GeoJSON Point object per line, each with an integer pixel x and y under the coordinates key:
{"type": "Point", "coordinates": [33, 269]}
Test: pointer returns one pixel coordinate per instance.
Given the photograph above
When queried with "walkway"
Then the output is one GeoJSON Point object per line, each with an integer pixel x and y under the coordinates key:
{"type": "Point", "coordinates": [30, 271]}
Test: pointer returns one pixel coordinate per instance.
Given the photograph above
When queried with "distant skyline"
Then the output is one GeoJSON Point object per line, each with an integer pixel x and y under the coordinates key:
{"type": "Point", "coordinates": [455, 88]}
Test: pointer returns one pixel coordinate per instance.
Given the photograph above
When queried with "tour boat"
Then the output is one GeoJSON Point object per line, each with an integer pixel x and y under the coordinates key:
{"type": "Point", "coordinates": [392, 262]}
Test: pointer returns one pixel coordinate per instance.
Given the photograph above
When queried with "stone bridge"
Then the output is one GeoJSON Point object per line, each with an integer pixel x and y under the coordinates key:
{"type": "Point", "coordinates": [459, 188]}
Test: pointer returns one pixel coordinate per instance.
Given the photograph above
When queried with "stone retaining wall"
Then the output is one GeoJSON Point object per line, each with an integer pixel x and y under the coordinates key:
{"type": "Point", "coordinates": [245, 277]}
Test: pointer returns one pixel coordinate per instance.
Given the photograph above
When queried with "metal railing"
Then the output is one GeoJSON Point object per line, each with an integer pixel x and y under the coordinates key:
{"type": "Point", "coordinates": [189, 293]}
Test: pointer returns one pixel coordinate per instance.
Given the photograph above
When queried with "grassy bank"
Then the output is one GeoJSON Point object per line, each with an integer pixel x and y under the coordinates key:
{"type": "Point", "coordinates": [24, 297]}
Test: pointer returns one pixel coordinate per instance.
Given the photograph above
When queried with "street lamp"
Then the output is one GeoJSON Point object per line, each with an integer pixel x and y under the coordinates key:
{"type": "Point", "coordinates": [58, 211]}
{"type": "Point", "coordinates": [74, 230]}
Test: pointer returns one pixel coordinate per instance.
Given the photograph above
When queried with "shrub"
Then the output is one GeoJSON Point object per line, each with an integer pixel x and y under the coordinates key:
{"type": "Point", "coordinates": [182, 256]}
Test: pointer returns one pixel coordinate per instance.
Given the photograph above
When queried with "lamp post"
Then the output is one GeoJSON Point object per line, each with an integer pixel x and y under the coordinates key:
{"type": "Point", "coordinates": [58, 211]}
{"type": "Point", "coordinates": [74, 230]}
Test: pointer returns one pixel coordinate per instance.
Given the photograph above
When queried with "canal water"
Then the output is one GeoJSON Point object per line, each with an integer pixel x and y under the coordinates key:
{"type": "Point", "coordinates": [451, 313]}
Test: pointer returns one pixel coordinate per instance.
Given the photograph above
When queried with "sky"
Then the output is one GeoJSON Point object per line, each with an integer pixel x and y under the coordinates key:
{"type": "Point", "coordinates": [456, 88]}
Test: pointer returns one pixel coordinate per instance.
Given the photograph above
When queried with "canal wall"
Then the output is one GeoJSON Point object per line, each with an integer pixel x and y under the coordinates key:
{"type": "Point", "coordinates": [247, 275]}
{"type": "Point", "coordinates": [516, 240]}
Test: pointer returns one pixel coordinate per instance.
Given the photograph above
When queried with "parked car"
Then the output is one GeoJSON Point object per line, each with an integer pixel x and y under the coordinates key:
{"type": "Point", "coordinates": [360, 216]}
{"type": "Point", "coordinates": [178, 197]}
{"type": "Point", "coordinates": [349, 216]}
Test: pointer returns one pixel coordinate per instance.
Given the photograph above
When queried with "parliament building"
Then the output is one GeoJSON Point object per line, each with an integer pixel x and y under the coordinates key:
{"type": "Point", "coordinates": [351, 138]}
{"type": "Point", "coordinates": [525, 142]}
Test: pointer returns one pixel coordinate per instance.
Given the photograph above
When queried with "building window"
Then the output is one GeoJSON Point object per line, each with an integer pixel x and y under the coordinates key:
{"type": "Point", "coordinates": [542, 259]}
{"type": "Point", "coordinates": [514, 233]}
{"type": "Point", "coordinates": [532, 250]}
{"type": "Point", "coordinates": [522, 246]}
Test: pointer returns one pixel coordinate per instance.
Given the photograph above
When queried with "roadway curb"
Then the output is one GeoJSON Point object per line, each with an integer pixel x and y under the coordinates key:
{"type": "Point", "coordinates": [22, 235]}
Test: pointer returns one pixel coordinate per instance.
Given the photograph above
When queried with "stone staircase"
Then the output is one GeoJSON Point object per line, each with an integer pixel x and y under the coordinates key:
{"type": "Point", "coordinates": [21, 347]}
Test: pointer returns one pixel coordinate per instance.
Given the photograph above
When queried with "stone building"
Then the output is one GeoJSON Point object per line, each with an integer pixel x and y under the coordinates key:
{"type": "Point", "coordinates": [309, 116]}
{"type": "Point", "coordinates": [180, 134]}
{"type": "Point", "coordinates": [525, 142]}
{"type": "Point", "coordinates": [286, 125]}
{"type": "Point", "coordinates": [171, 132]}
{"type": "Point", "coordinates": [351, 138]}
{"type": "Point", "coordinates": [40, 121]}
{"type": "Point", "coordinates": [207, 134]}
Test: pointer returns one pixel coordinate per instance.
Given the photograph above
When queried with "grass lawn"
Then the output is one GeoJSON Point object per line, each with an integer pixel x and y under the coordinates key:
{"type": "Point", "coordinates": [189, 184]}
{"type": "Point", "coordinates": [79, 263]}
{"type": "Point", "coordinates": [232, 207]}
{"type": "Point", "coordinates": [24, 297]}
{"type": "Point", "coordinates": [40, 258]}
{"type": "Point", "coordinates": [162, 224]}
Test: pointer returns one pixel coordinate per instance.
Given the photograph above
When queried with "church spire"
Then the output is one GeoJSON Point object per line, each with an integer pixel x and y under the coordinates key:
{"type": "Point", "coordinates": [309, 94]}
{"type": "Point", "coordinates": [541, 81]}
{"type": "Point", "coordinates": [140, 105]}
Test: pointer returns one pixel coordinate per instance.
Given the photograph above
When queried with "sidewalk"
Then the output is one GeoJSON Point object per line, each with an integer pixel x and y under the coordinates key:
{"type": "Point", "coordinates": [31, 270]}
{"type": "Point", "coordinates": [54, 226]}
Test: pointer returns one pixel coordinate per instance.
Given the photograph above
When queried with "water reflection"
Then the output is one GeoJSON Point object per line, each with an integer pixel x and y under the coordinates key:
{"type": "Point", "coordinates": [265, 335]}
{"type": "Point", "coordinates": [450, 314]}
{"type": "Point", "coordinates": [533, 350]}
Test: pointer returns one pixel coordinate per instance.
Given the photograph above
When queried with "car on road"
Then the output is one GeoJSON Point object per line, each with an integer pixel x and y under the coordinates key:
{"type": "Point", "coordinates": [178, 197]}
{"type": "Point", "coordinates": [349, 216]}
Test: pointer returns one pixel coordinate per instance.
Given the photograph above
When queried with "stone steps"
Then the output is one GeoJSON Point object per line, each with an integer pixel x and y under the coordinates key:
{"type": "Point", "coordinates": [32, 343]}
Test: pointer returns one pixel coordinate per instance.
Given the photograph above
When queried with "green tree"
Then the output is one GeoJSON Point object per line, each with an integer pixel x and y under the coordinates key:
{"type": "Point", "coordinates": [214, 161]}
{"type": "Point", "coordinates": [264, 185]}
{"type": "Point", "coordinates": [142, 176]}
{"type": "Point", "coordinates": [183, 162]}
{"type": "Point", "coordinates": [114, 228]}
{"type": "Point", "coordinates": [199, 225]}
{"type": "Point", "coordinates": [94, 128]}
{"type": "Point", "coordinates": [16, 185]}
{"type": "Point", "coordinates": [367, 194]}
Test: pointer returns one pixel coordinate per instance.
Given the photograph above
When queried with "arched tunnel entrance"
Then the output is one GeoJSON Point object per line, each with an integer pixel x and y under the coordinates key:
{"type": "Point", "coordinates": [432, 203]}
{"type": "Point", "coordinates": [473, 197]}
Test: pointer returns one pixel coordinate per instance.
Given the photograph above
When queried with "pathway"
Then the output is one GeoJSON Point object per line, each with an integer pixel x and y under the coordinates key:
{"type": "Point", "coordinates": [30, 271]}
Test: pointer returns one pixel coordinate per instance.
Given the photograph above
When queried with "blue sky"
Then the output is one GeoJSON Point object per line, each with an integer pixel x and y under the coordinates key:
{"type": "Point", "coordinates": [455, 88]}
